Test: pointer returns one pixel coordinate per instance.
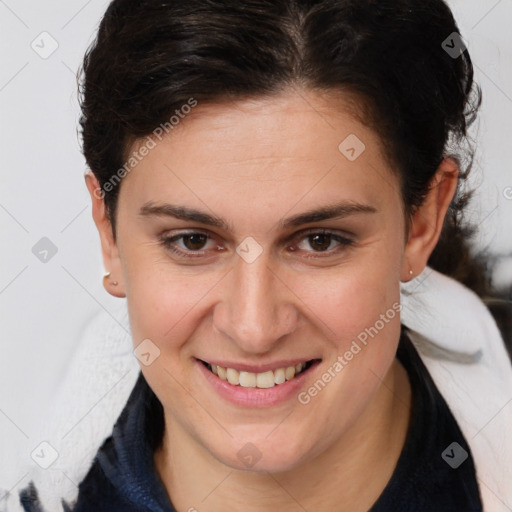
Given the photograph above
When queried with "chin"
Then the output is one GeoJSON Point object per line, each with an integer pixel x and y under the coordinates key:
{"type": "Point", "coordinates": [263, 455]}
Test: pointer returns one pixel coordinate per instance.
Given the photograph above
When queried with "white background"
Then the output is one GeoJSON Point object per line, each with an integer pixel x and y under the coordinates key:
{"type": "Point", "coordinates": [45, 306]}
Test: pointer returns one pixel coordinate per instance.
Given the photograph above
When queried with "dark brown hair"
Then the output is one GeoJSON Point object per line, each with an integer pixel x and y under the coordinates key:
{"type": "Point", "coordinates": [402, 58]}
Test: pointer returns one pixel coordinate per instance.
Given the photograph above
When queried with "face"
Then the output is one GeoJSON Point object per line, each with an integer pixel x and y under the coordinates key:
{"type": "Point", "coordinates": [249, 239]}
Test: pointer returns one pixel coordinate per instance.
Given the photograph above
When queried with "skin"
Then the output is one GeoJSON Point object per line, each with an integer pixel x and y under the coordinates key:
{"type": "Point", "coordinates": [254, 163]}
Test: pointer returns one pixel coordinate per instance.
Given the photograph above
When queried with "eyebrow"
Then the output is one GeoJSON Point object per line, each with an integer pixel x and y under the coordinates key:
{"type": "Point", "coordinates": [335, 211]}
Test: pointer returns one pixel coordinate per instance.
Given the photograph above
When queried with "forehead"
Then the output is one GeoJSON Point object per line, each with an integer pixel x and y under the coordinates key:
{"type": "Point", "coordinates": [267, 150]}
{"type": "Point", "coordinates": [273, 123]}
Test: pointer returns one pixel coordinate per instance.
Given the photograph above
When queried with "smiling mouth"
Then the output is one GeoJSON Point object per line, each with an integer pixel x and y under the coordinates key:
{"type": "Point", "coordinates": [263, 380]}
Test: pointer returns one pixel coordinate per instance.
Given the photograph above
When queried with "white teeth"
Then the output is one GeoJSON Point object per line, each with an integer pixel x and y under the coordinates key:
{"type": "Point", "coordinates": [289, 372]}
{"type": "Point", "coordinates": [221, 372]}
{"type": "Point", "coordinates": [279, 376]}
{"type": "Point", "coordinates": [261, 380]}
{"type": "Point", "coordinates": [233, 376]}
{"type": "Point", "coordinates": [265, 380]}
{"type": "Point", "coordinates": [247, 379]}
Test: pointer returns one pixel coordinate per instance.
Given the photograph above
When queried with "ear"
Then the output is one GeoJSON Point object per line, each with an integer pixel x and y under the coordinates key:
{"type": "Point", "coordinates": [427, 222]}
{"type": "Point", "coordinates": [113, 280]}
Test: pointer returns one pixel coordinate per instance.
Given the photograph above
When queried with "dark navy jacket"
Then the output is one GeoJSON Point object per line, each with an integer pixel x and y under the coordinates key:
{"type": "Point", "coordinates": [433, 473]}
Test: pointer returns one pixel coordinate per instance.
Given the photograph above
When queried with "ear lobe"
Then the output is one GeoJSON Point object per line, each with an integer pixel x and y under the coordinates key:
{"type": "Point", "coordinates": [113, 279]}
{"type": "Point", "coordinates": [428, 220]}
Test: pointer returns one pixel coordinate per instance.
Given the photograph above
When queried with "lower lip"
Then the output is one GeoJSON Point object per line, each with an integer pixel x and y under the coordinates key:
{"type": "Point", "coordinates": [255, 397]}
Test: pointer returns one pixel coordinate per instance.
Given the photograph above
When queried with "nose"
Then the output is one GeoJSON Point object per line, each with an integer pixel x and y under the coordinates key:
{"type": "Point", "coordinates": [256, 309]}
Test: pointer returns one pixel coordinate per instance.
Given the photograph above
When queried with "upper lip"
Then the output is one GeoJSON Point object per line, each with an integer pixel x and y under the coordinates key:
{"type": "Point", "coordinates": [258, 368]}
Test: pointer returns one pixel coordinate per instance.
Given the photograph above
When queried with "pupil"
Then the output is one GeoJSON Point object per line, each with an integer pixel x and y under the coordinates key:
{"type": "Point", "coordinates": [320, 241]}
{"type": "Point", "coordinates": [195, 241]}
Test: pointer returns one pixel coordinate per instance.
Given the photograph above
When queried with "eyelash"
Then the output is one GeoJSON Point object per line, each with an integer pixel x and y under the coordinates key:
{"type": "Point", "coordinates": [344, 242]}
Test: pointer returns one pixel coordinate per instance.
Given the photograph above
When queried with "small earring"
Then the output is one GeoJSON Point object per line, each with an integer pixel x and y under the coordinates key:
{"type": "Point", "coordinates": [411, 272]}
{"type": "Point", "coordinates": [106, 276]}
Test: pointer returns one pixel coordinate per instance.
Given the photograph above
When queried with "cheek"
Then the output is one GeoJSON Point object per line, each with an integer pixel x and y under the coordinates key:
{"type": "Point", "coordinates": [361, 312]}
{"type": "Point", "coordinates": [359, 307]}
{"type": "Point", "coordinates": [163, 306]}
{"type": "Point", "coordinates": [349, 300]}
{"type": "Point", "coordinates": [169, 311]}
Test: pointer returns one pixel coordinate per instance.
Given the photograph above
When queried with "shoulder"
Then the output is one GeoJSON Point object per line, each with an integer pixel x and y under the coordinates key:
{"type": "Point", "coordinates": [461, 346]}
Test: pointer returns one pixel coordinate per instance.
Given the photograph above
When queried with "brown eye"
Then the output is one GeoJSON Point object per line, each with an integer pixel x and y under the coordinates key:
{"type": "Point", "coordinates": [320, 241]}
{"type": "Point", "coordinates": [191, 244]}
{"type": "Point", "coordinates": [194, 241]}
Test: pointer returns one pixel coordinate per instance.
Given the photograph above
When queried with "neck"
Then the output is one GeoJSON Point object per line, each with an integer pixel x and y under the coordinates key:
{"type": "Point", "coordinates": [337, 479]}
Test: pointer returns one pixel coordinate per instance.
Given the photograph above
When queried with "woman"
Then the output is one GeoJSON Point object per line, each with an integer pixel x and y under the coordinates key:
{"type": "Point", "coordinates": [264, 176]}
